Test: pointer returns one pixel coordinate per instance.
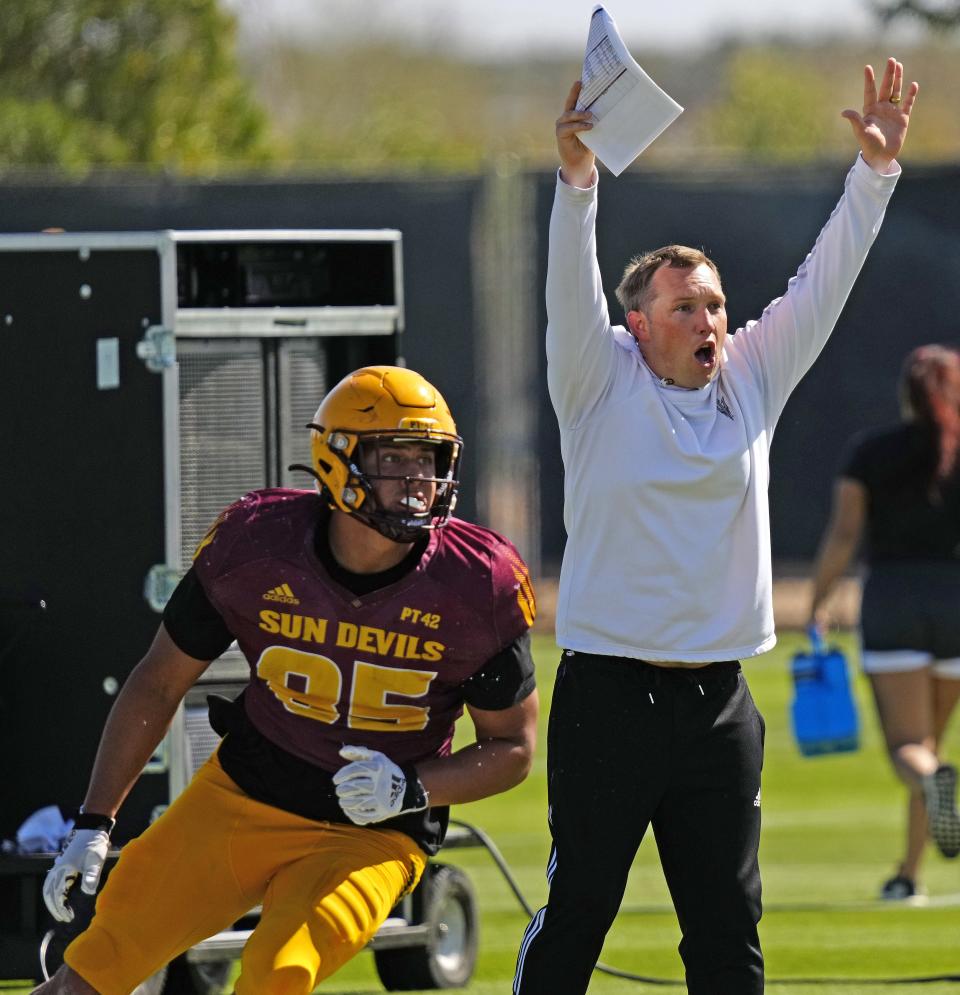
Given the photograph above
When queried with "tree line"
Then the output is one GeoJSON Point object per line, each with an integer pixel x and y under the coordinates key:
{"type": "Point", "coordinates": [165, 84]}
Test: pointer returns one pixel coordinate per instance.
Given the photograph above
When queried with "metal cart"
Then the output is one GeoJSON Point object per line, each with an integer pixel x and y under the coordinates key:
{"type": "Point", "coordinates": [149, 379]}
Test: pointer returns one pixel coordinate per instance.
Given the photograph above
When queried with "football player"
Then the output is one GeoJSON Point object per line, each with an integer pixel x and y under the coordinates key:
{"type": "Point", "coordinates": [370, 618]}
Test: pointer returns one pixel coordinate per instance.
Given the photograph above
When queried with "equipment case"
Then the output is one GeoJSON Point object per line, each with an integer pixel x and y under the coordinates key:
{"type": "Point", "coordinates": [148, 380]}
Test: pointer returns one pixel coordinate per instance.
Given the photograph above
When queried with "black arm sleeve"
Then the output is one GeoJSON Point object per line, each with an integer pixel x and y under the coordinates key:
{"type": "Point", "coordinates": [504, 680]}
{"type": "Point", "coordinates": [193, 623]}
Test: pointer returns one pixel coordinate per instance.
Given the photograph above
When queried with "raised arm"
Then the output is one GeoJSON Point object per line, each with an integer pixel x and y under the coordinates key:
{"type": "Point", "coordinates": [881, 127]}
{"type": "Point", "coordinates": [577, 162]}
{"type": "Point", "coordinates": [581, 350]}
{"type": "Point", "coordinates": [794, 328]}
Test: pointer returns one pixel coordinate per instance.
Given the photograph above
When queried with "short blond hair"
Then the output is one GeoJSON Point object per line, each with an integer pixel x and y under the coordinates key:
{"type": "Point", "coordinates": [633, 293]}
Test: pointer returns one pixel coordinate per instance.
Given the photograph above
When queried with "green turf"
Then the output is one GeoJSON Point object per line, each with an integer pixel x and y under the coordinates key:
{"type": "Point", "coordinates": [832, 830]}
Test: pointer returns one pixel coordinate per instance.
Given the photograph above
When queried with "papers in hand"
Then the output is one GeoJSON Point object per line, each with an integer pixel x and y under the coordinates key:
{"type": "Point", "coordinates": [629, 108]}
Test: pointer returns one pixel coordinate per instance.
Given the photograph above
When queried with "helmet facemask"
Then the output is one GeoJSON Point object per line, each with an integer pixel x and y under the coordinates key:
{"type": "Point", "coordinates": [369, 411]}
{"type": "Point", "coordinates": [419, 517]}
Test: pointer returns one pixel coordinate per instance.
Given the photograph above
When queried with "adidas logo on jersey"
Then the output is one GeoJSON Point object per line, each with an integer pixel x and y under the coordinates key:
{"type": "Point", "coordinates": [283, 594]}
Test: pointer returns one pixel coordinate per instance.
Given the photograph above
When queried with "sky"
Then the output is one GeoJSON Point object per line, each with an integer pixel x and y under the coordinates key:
{"type": "Point", "coordinates": [489, 27]}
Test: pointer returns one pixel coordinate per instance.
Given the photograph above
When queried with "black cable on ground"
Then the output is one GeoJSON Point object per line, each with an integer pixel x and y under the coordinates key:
{"type": "Point", "coordinates": [487, 843]}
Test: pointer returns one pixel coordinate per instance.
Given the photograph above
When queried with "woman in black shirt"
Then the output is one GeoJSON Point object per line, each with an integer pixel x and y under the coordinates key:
{"type": "Point", "coordinates": [900, 490]}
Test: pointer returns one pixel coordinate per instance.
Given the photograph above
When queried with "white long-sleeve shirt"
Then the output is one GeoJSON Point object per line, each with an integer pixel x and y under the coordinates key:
{"type": "Point", "coordinates": [665, 494]}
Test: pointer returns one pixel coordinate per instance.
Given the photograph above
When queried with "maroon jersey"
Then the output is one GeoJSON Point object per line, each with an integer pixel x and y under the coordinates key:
{"type": "Point", "coordinates": [382, 670]}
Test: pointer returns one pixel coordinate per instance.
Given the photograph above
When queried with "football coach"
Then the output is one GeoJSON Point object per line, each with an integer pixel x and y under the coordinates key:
{"type": "Point", "coordinates": [665, 431]}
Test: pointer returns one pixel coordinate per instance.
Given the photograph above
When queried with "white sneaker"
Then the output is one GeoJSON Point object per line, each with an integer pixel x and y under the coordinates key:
{"type": "Point", "coordinates": [940, 796]}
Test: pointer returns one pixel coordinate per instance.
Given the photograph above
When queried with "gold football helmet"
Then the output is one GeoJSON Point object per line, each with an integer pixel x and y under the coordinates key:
{"type": "Point", "coordinates": [370, 407]}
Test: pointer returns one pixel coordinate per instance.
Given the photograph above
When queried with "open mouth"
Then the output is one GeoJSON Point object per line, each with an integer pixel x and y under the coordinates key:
{"type": "Point", "coordinates": [415, 504]}
{"type": "Point", "coordinates": [706, 355]}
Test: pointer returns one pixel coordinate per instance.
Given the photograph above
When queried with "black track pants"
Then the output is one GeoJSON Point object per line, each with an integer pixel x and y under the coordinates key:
{"type": "Point", "coordinates": [630, 744]}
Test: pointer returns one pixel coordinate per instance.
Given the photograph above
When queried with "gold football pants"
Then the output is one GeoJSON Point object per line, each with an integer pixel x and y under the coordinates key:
{"type": "Point", "coordinates": [213, 855]}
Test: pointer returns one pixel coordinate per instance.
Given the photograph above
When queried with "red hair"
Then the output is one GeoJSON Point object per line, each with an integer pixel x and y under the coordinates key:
{"type": "Point", "coordinates": [930, 393]}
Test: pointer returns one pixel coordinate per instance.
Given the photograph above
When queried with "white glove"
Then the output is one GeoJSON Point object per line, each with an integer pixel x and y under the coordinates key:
{"type": "Point", "coordinates": [373, 788]}
{"type": "Point", "coordinates": [82, 859]}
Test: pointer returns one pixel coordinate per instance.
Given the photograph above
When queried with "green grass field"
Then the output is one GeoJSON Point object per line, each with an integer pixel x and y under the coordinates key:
{"type": "Point", "coordinates": [832, 830]}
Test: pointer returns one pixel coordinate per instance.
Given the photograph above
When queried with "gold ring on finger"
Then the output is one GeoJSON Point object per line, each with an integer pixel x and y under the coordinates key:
{"type": "Point", "coordinates": [895, 99]}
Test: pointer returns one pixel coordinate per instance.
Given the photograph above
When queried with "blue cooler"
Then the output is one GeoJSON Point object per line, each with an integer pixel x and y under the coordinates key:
{"type": "Point", "coordinates": [823, 712]}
